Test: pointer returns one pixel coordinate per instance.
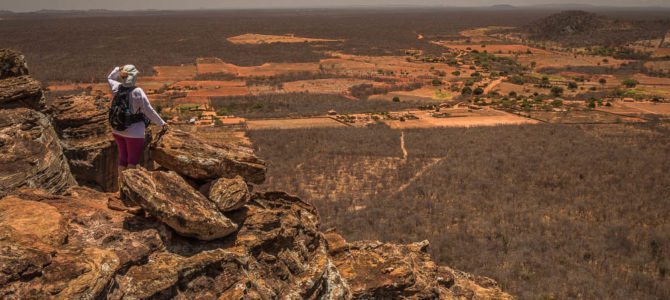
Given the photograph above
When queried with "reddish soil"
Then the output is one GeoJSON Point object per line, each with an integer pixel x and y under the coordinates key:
{"type": "Point", "coordinates": [258, 39]}
{"type": "Point", "coordinates": [426, 93]}
{"type": "Point", "coordinates": [461, 118]}
{"type": "Point", "coordinates": [293, 123]}
{"type": "Point", "coordinates": [662, 66]}
{"type": "Point", "coordinates": [503, 49]}
{"type": "Point", "coordinates": [326, 86]}
{"type": "Point", "coordinates": [173, 73]}
{"type": "Point", "coordinates": [559, 60]}
{"type": "Point", "coordinates": [213, 88]}
{"type": "Point", "coordinates": [662, 52]}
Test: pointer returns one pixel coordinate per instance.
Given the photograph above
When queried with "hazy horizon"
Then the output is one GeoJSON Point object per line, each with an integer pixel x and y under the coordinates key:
{"type": "Point", "coordinates": [129, 5]}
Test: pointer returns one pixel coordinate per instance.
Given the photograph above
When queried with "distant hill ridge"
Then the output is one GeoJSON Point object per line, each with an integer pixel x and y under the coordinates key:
{"type": "Point", "coordinates": [581, 28]}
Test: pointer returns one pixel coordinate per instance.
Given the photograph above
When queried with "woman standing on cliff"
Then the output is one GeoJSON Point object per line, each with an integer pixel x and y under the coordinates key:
{"type": "Point", "coordinates": [130, 140]}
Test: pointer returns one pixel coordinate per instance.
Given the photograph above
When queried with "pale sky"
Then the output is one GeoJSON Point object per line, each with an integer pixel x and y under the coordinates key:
{"type": "Point", "coordinates": [32, 5]}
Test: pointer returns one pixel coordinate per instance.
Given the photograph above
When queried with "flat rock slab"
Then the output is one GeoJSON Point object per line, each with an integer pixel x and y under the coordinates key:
{"type": "Point", "coordinates": [168, 197]}
{"type": "Point", "coordinates": [190, 156]}
{"type": "Point", "coordinates": [37, 220]}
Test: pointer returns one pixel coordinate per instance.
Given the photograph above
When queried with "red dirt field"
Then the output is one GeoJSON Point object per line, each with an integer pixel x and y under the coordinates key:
{"type": "Point", "coordinates": [461, 118]}
{"type": "Point", "coordinates": [326, 86]}
{"type": "Point", "coordinates": [662, 52]}
{"type": "Point", "coordinates": [215, 65]}
{"type": "Point", "coordinates": [293, 123]}
{"type": "Point", "coordinates": [173, 73]}
{"type": "Point", "coordinates": [213, 88]}
{"type": "Point", "coordinates": [259, 39]}
{"type": "Point", "coordinates": [426, 93]}
{"type": "Point", "coordinates": [662, 66]}
{"type": "Point", "coordinates": [648, 80]}
{"type": "Point", "coordinates": [559, 61]}
{"type": "Point", "coordinates": [503, 49]}
{"type": "Point", "coordinates": [652, 108]}
{"type": "Point", "coordinates": [61, 86]}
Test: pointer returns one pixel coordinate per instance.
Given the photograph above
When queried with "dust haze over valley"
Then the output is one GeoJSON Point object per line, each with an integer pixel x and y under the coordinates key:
{"type": "Point", "coordinates": [529, 145]}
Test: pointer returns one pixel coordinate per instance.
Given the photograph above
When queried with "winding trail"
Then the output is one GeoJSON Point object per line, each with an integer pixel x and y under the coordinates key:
{"type": "Point", "coordinates": [493, 84]}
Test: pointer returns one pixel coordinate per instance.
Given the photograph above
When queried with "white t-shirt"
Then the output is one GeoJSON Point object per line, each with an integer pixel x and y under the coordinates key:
{"type": "Point", "coordinates": [138, 103]}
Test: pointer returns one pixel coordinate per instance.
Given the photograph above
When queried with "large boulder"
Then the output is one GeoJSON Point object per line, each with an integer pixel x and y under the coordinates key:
{"type": "Point", "coordinates": [81, 124]}
{"type": "Point", "coordinates": [229, 194]}
{"type": "Point", "coordinates": [376, 270]}
{"type": "Point", "coordinates": [12, 64]}
{"type": "Point", "coordinates": [30, 153]}
{"type": "Point", "coordinates": [168, 197]}
{"type": "Point", "coordinates": [190, 156]}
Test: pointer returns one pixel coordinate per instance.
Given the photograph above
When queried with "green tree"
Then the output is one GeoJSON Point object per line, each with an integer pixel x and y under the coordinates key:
{"type": "Point", "coordinates": [602, 81]}
{"type": "Point", "coordinates": [630, 83]}
{"type": "Point", "coordinates": [478, 91]}
{"type": "Point", "coordinates": [466, 90]}
{"type": "Point", "coordinates": [221, 111]}
{"type": "Point", "coordinates": [556, 91]}
{"type": "Point", "coordinates": [572, 85]}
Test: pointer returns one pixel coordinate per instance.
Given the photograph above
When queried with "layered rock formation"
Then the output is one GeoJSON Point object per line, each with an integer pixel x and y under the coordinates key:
{"type": "Point", "coordinates": [81, 124]}
{"type": "Point", "coordinates": [17, 88]}
{"type": "Point", "coordinates": [190, 229]}
{"type": "Point", "coordinates": [30, 151]}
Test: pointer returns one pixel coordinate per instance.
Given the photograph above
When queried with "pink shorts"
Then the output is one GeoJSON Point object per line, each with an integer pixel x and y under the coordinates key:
{"type": "Point", "coordinates": [130, 150]}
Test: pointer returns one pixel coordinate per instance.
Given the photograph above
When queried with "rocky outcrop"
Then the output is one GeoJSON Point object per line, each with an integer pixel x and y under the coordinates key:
{"type": "Point", "coordinates": [81, 124]}
{"type": "Point", "coordinates": [17, 88]}
{"type": "Point", "coordinates": [12, 64]}
{"type": "Point", "coordinates": [229, 194]}
{"type": "Point", "coordinates": [376, 270]}
{"type": "Point", "coordinates": [278, 253]}
{"type": "Point", "coordinates": [195, 158]}
{"type": "Point", "coordinates": [172, 200]}
{"type": "Point", "coordinates": [30, 153]}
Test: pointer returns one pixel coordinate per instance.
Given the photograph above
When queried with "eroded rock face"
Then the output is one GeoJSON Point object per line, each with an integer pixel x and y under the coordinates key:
{"type": "Point", "coordinates": [195, 158]}
{"type": "Point", "coordinates": [30, 153]}
{"type": "Point", "coordinates": [229, 194]}
{"type": "Point", "coordinates": [172, 200]}
{"type": "Point", "coordinates": [376, 270]}
{"type": "Point", "coordinates": [278, 253]}
{"type": "Point", "coordinates": [81, 123]}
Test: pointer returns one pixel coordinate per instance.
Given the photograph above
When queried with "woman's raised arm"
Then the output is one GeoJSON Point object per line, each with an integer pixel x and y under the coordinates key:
{"type": "Point", "coordinates": [112, 79]}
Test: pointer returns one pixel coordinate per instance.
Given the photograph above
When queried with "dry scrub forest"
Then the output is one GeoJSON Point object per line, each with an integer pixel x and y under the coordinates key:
{"type": "Point", "coordinates": [564, 194]}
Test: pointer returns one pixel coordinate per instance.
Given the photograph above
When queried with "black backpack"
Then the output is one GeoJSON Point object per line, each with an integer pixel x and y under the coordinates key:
{"type": "Point", "coordinates": [120, 116]}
